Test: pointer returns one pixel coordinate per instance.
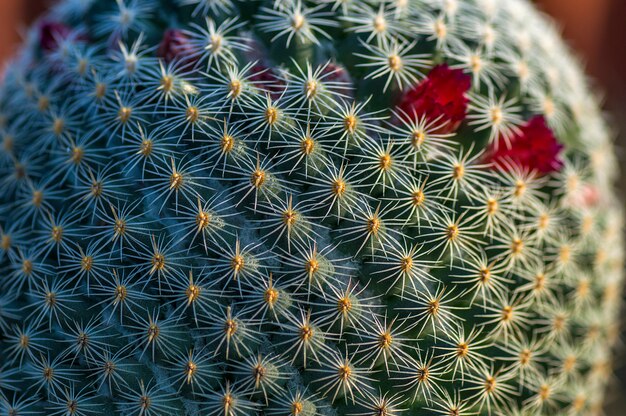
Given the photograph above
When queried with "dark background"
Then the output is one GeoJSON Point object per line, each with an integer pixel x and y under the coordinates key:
{"type": "Point", "coordinates": [596, 29]}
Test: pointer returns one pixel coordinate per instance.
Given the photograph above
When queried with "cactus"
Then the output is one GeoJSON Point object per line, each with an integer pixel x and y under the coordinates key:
{"type": "Point", "coordinates": [294, 207]}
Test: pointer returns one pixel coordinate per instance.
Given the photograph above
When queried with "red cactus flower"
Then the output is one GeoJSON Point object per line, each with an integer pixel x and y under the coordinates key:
{"type": "Point", "coordinates": [534, 148]}
{"type": "Point", "coordinates": [267, 79]}
{"type": "Point", "coordinates": [442, 96]}
{"type": "Point", "coordinates": [338, 75]}
{"type": "Point", "coordinates": [51, 33]}
{"type": "Point", "coordinates": [176, 45]}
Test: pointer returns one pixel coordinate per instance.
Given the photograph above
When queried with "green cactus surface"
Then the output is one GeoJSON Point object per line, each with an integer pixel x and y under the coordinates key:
{"type": "Point", "coordinates": [304, 208]}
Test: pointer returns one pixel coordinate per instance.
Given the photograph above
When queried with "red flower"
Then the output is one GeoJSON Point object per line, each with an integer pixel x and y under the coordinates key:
{"type": "Point", "coordinates": [336, 73]}
{"type": "Point", "coordinates": [534, 148]}
{"type": "Point", "coordinates": [267, 79]}
{"type": "Point", "coordinates": [441, 95]}
{"type": "Point", "coordinates": [176, 45]}
{"type": "Point", "coordinates": [51, 33]}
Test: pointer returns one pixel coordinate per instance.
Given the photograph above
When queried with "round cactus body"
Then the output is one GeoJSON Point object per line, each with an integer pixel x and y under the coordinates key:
{"type": "Point", "coordinates": [329, 207]}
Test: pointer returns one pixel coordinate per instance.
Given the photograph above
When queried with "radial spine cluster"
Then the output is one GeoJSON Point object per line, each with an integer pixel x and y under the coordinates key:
{"type": "Point", "coordinates": [304, 208]}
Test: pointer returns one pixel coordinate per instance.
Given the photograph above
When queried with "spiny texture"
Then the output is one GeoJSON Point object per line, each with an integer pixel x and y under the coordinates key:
{"type": "Point", "coordinates": [217, 207]}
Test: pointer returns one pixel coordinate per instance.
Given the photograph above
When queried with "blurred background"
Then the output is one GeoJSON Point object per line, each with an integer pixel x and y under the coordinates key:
{"type": "Point", "coordinates": [596, 29]}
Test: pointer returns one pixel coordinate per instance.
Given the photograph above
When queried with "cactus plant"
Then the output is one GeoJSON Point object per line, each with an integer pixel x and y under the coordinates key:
{"type": "Point", "coordinates": [294, 207]}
